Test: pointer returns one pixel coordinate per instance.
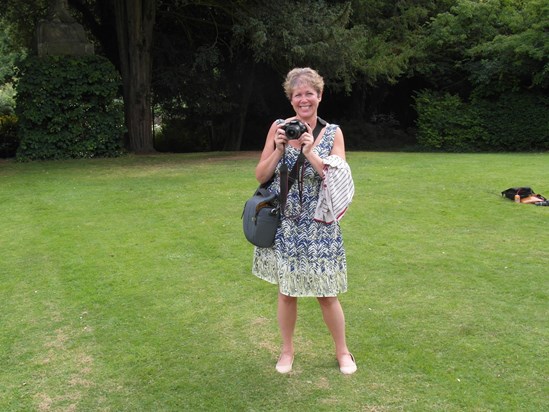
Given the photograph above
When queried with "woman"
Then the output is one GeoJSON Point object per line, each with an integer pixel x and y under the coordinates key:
{"type": "Point", "coordinates": [308, 258]}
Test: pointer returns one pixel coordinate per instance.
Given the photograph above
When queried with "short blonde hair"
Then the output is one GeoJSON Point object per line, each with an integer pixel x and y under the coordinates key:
{"type": "Point", "coordinates": [303, 76]}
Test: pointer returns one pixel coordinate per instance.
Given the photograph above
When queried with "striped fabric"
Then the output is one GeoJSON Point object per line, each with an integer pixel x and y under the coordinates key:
{"type": "Point", "coordinates": [336, 192]}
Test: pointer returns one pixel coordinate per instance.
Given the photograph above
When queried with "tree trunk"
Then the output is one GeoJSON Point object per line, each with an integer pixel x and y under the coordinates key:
{"type": "Point", "coordinates": [234, 141]}
{"type": "Point", "coordinates": [134, 29]}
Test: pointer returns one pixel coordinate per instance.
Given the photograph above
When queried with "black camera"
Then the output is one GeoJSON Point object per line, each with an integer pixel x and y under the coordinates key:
{"type": "Point", "coordinates": [294, 129]}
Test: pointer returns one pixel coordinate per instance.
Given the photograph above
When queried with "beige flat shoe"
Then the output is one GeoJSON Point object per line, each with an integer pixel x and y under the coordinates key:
{"type": "Point", "coordinates": [349, 369]}
{"type": "Point", "coordinates": [284, 368]}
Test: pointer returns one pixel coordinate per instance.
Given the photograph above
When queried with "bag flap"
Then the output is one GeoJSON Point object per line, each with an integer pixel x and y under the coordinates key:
{"type": "Point", "coordinates": [266, 194]}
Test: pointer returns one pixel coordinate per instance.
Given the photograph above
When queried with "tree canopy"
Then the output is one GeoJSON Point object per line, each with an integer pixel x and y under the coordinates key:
{"type": "Point", "coordinates": [492, 46]}
{"type": "Point", "coordinates": [216, 66]}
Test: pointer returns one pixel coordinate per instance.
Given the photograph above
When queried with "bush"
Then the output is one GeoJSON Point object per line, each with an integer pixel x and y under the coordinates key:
{"type": "Point", "coordinates": [516, 122]}
{"type": "Point", "coordinates": [8, 136]}
{"type": "Point", "coordinates": [513, 122]}
{"type": "Point", "coordinates": [68, 107]}
{"type": "Point", "coordinates": [446, 123]}
{"type": "Point", "coordinates": [7, 101]}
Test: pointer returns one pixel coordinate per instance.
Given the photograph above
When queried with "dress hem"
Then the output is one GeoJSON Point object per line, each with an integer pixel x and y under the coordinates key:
{"type": "Point", "coordinates": [307, 295]}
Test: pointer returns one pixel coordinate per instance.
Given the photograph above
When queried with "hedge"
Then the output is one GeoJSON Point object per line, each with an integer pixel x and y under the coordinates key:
{"type": "Point", "coordinates": [512, 122]}
{"type": "Point", "coordinates": [69, 107]}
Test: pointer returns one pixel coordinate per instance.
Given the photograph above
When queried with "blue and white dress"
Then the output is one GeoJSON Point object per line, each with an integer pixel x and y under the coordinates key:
{"type": "Point", "coordinates": [308, 257]}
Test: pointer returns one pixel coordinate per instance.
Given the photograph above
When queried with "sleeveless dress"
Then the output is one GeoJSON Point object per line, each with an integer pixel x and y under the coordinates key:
{"type": "Point", "coordinates": [308, 257]}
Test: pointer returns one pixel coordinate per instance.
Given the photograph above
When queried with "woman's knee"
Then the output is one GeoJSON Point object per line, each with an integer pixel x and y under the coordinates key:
{"type": "Point", "coordinates": [285, 299]}
{"type": "Point", "coordinates": [327, 301]}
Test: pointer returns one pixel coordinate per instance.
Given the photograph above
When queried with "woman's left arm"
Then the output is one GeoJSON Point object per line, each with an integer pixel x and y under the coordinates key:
{"type": "Point", "coordinates": [338, 148]}
{"type": "Point", "coordinates": [315, 160]}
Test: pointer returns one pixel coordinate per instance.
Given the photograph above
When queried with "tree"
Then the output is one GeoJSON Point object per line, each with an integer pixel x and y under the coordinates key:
{"type": "Point", "coordinates": [134, 28]}
{"type": "Point", "coordinates": [388, 53]}
{"type": "Point", "coordinates": [212, 58]}
{"type": "Point", "coordinates": [492, 58]}
{"type": "Point", "coordinates": [516, 58]}
{"type": "Point", "coordinates": [218, 64]}
{"type": "Point", "coordinates": [488, 47]}
{"type": "Point", "coordinates": [11, 54]}
{"type": "Point", "coordinates": [198, 73]}
{"type": "Point", "coordinates": [282, 35]}
{"type": "Point", "coordinates": [303, 33]}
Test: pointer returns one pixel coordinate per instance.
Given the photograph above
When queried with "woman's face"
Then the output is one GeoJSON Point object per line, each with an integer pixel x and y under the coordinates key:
{"type": "Point", "coordinates": [305, 101]}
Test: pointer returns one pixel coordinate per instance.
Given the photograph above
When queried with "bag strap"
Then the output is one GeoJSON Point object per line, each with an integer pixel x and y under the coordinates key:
{"type": "Point", "coordinates": [286, 181]}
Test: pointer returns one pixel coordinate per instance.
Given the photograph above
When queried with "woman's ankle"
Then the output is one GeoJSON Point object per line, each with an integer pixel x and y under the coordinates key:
{"type": "Point", "coordinates": [287, 350]}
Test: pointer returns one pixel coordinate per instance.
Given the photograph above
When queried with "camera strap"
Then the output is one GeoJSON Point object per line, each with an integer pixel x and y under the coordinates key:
{"type": "Point", "coordinates": [285, 182]}
{"type": "Point", "coordinates": [297, 172]}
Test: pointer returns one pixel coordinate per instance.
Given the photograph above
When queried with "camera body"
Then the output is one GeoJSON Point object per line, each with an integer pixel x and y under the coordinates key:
{"type": "Point", "coordinates": [294, 129]}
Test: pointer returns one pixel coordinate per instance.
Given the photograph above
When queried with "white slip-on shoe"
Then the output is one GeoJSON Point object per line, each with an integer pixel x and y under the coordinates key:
{"type": "Point", "coordinates": [284, 368]}
{"type": "Point", "coordinates": [349, 369]}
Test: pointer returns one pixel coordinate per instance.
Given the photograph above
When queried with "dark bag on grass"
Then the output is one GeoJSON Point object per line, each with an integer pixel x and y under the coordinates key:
{"type": "Point", "coordinates": [521, 191]}
{"type": "Point", "coordinates": [260, 218]}
{"type": "Point", "coordinates": [525, 195]}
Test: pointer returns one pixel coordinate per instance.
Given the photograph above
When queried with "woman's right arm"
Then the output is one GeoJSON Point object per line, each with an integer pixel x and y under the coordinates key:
{"type": "Point", "coordinates": [272, 153]}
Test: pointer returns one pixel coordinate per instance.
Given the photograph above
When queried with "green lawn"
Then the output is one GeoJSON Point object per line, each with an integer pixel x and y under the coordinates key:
{"type": "Point", "coordinates": [125, 285]}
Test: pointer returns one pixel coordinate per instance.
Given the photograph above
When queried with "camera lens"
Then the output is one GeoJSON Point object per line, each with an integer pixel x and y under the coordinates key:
{"type": "Point", "coordinates": [294, 129]}
{"type": "Point", "coordinates": [291, 132]}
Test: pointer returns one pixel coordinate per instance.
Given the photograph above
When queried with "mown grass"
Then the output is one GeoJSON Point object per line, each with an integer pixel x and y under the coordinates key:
{"type": "Point", "coordinates": [125, 285]}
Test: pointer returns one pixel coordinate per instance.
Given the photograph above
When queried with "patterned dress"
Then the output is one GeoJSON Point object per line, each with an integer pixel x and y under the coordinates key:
{"type": "Point", "coordinates": [308, 257]}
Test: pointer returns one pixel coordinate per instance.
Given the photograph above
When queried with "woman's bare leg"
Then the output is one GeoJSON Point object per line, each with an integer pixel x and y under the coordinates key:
{"type": "Point", "coordinates": [332, 312]}
{"type": "Point", "coordinates": [287, 317]}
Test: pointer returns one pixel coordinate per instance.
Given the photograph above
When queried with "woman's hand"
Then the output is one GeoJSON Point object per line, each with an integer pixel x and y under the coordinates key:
{"type": "Point", "coordinates": [307, 141]}
{"type": "Point", "coordinates": [280, 139]}
{"type": "Point", "coordinates": [275, 144]}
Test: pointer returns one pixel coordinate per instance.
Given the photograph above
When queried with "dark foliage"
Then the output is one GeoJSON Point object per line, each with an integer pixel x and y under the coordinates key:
{"type": "Point", "coordinates": [512, 122]}
{"type": "Point", "coordinates": [68, 107]}
{"type": "Point", "coordinates": [9, 141]}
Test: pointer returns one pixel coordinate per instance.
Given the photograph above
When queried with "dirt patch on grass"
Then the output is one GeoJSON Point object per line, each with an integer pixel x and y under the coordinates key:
{"type": "Point", "coordinates": [66, 371]}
